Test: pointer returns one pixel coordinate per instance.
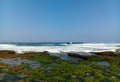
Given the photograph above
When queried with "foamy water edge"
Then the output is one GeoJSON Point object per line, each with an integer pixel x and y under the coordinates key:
{"type": "Point", "coordinates": [87, 47]}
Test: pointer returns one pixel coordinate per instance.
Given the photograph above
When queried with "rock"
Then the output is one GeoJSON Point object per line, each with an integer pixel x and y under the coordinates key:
{"type": "Point", "coordinates": [45, 52]}
{"type": "Point", "coordinates": [4, 52]}
{"type": "Point", "coordinates": [77, 56]}
{"type": "Point", "coordinates": [74, 76]}
{"type": "Point", "coordinates": [39, 80]}
{"type": "Point", "coordinates": [112, 77]}
{"type": "Point", "coordinates": [62, 71]}
{"type": "Point", "coordinates": [47, 68]}
{"type": "Point", "coordinates": [73, 55]}
{"type": "Point", "coordinates": [107, 53]}
{"type": "Point", "coordinates": [104, 63]}
{"type": "Point", "coordinates": [117, 76]}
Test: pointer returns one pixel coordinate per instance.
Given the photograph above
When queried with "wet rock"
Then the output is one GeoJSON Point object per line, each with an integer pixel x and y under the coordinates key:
{"type": "Point", "coordinates": [104, 63]}
{"type": "Point", "coordinates": [32, 63]}
{"type": "Point", "coordinates": [22, 75]}
{"type": "Point", "coordinates": [112, 77]}
{"type": "Point", "coordinates": [5, 52]}
{"type": "Point", "coordinates": [90, 75]}
{"type": "Point", "coordinates": [1, 76]}
{"type": "Point", "coordinates": [18, 61]}
{"type": "Point", "coordinates": [39, 80]}
{"type": "Point", "coordinates": [68, 77]}
{"type": "Point", "coordinates": [77, 56]}
{"type": "Point", "coordinates": [62, 71]}
{"type": "Point", "coordinates": [117, 76]}
{"type": "Point", "coordinates": [11, 62]}
{"type": "Point", "coordinates": [5, 69]}
{"type": "Point", "coordinates": [47, 68]}
{"type": "Point", "coordinates": [54, 63]}
{"type": "Point", "coordinates": [74, 76]}
{"type": "Point", "coordinates": [45, 52]}
{"type": "Point", "coordinates": [107, 53]}
{"type": "Point", "coordinates": [118, 69]}
{"type": "Point", "coordinates": [10, 78]}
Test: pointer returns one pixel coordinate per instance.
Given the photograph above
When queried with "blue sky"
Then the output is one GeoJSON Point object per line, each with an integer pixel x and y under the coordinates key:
{"type": "Point", "coordinates": [59, 20]}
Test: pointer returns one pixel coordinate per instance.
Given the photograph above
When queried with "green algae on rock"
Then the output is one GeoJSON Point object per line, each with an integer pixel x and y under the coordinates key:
{"type": "Point", "coordinates": [55, 69]}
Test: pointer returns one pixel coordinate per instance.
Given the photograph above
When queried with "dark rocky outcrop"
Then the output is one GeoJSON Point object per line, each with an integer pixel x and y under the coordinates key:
{"type": "Point", "coordinates": [75, 55]}
{"type": "Point", "coordinates": [13, 54]}
{"type": "Point", "coordinates": [4, 52]}
{"type": "Point", "coordinates": [41, 53]}
{"type": "Point", "coordinates": [45, 52]}
{"type": "Point", "coordinates": [107, 53]}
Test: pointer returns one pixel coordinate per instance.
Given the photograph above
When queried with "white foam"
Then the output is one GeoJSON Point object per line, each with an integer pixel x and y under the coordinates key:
{"type": "Point", "coordinates": [96, 47]}
{"type": "Point", "coordinates": [7, 45]}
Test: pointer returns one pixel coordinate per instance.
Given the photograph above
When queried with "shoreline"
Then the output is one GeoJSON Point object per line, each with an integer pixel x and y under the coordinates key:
{"type": "Point", "coordinates": [62, 55]}
{"type": "Point", "coordinates": [36, 66]}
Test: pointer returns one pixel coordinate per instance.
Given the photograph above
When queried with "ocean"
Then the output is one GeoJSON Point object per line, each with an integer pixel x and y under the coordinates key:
{"type": "Point", "coordinates": [58, 47]}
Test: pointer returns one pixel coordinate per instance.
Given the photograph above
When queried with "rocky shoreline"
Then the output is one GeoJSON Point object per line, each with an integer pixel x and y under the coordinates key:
{"type": "Point", "coordinates": [44, 67]}
{"type": "Point", "coordinates": [72, 54]}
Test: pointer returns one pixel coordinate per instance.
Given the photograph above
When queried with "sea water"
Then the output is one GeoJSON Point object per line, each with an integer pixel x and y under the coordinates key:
{"type": "Point", "coordinates": [58, 47]}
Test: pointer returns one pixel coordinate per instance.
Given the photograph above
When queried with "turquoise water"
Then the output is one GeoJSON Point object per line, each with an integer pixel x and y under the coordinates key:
{"type": "Point", "coordinates": [41, 43]}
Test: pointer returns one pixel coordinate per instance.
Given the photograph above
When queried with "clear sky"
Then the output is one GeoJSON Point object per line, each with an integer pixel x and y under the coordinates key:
{"type": "Point", "coordinates": [60, 20]}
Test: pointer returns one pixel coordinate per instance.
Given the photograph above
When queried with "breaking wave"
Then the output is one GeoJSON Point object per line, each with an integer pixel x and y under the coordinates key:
{"type": "Point", "coordinates": [59, 47]}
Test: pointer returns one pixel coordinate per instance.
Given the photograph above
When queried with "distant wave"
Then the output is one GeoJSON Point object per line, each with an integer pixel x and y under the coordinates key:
{"type": "Point", "coordinates": [59, 47]}
{"type": "Point", "coordinates": [41, 43]}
